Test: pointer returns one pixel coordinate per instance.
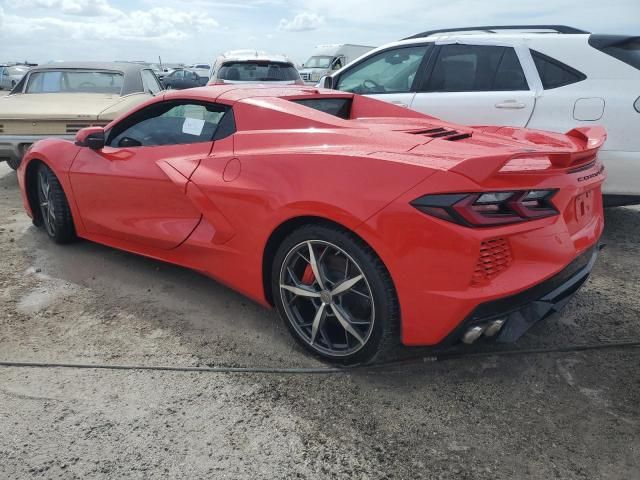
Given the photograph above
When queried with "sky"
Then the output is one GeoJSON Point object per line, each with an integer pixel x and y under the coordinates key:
{"type": "Point", "coordinates": [192, 31]}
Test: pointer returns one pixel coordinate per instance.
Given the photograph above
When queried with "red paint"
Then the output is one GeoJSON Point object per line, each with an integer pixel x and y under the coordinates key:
{"type": "Point", "coordinates": [193, 205]}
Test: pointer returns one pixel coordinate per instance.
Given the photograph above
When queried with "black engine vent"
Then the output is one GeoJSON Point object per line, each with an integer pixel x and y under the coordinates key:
{"type": "Point", "coordinates": [443, 133]}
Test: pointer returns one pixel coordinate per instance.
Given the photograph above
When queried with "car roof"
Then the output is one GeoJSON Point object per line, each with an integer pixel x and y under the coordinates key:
{"type": "Point", "coordinates": [131, 71]}
{"type": "Point", "coordinates": [124, 67]}
{"type": "Point", "coordinates": [248, 55]}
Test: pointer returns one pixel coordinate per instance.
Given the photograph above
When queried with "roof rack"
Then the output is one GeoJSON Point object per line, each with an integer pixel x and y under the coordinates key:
{"type": "Point", "coordinates": [492, 29]}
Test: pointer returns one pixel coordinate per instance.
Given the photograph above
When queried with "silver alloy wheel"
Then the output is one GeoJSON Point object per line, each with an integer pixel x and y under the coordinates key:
{"type": "Point", "coordinates": [46, 207]}
{"type": "Point", "coordinates": [327, 298]}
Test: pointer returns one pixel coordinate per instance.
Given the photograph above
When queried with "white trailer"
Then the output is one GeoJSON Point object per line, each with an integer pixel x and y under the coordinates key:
{"type": "Point", "coordinates": [326, 59]}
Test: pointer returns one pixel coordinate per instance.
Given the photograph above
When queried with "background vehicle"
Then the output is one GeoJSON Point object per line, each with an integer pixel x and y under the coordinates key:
{"type": "Point", "coordinates": [10, 75]}
{"type": "Point", "coordinates": [546, 77]}
{"type": "Point", "coordinates": [326, 59]}
{"type": "Point", "coordinates": [251, 66]}
{"type": "Point", "coordinates": [184, 78]}
{"type": "Point", "coordinates": [61, 98]}
{"type": "Point", "coordinates": [255, 186]}
{"type": "Point", "coordinates": [200, 66]}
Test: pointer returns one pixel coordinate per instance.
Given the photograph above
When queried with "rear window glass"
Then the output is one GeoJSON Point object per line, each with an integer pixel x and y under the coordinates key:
{"type": "Point", "coordinates": [476, 68]}
{"type": "Point", "coordinates": [65, 81]}
{"type": "Point", "coordinates": [258, 71]}
{"type": "Point", "coordinates": [554, 73]}
{"type": "Point", "coordinates": [338, 107]}
{"type": "Point", "coordinates": [625, 49]}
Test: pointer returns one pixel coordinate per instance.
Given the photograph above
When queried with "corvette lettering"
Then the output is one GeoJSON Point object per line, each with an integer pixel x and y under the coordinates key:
{"type": "Point", "coordinates": [593, 175]}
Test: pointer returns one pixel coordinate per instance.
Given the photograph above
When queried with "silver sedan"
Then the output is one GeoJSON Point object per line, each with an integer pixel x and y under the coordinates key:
{"type": "Point", "coordinates": [10, 76]}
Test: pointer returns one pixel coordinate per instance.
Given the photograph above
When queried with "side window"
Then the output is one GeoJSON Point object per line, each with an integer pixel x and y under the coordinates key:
{"type": "Point", "coordinates": [178, 74]}
{"type": "Point", "coordinates": [150, 82]}
{"type": "Point", "coordinates": [476, 68]}
{"type": "Point", "coordinates": [391, 71]}
{"type": "Point", "coordinates": [553, 73]}
{"type": "Point", "coordinates": [168, 123]}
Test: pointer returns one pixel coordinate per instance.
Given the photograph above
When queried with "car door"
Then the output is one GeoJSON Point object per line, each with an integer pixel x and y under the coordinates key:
{"type": "Point", "coordinates": [134, 188]}
{"type": "Point", "coordinates": [191, 80]}
{"type": "Point", "coordinates": [476, 85]}
{"type": "Point", "coordinates": [388, 75]}
{"type": "Point", "coordinates": [176, 79]}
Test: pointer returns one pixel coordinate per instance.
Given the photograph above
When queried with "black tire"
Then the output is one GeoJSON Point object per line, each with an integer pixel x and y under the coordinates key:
{"type": "Point", "coordinates": [55, 215]}
{"type": "Point", "coordinates": [14, 163]}
{"type": "Point", "coordinates": [374, 301]}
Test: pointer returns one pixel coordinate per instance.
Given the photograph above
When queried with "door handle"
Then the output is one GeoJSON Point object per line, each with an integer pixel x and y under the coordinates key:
{"type": "Point", "coordinates": [400, 104]}
{"type": "Point", "coordinates": [510, 105]}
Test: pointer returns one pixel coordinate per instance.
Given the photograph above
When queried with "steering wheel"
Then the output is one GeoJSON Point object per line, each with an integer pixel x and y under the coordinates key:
{"type": "Point", "coordinates": [371, 86]}
{"type": "Point", "coordinates": [86, 84]}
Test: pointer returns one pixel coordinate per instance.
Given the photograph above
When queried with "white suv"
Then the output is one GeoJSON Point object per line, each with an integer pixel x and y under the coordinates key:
{"type": "Point", "coordinates": [252, 66]}
{"type": "Point", "coordinates": [542, 77]}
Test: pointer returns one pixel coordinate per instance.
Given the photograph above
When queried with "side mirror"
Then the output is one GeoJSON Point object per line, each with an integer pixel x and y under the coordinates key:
{"type": "Point", "coordinates": [326, 82]}
{"type": "Point", "coordinates": [92, 137]}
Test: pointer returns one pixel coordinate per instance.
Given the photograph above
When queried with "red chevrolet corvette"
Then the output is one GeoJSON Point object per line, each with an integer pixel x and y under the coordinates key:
{"type": "Point", "coordinates": [362, 222]}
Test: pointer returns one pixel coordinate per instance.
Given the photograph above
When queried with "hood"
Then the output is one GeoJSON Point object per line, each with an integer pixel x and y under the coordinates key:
{"type": "Point", "coordinates": [53, 106]}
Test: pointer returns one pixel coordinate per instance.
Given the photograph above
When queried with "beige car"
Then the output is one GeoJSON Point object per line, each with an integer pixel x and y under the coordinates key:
{"type": "Point", "coordinates": [59, 99]}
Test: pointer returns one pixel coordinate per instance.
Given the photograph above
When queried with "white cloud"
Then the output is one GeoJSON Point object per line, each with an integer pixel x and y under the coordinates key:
{"type": "Point", "coordinates": [155, 24]}
{"type": "Point", "coordinates": [412, 16]}
{"type": "Point", "coordinates": [88, 8]}
{"type": "Point", "coordinates": [195, 30]}
{"type": "Point", "coordinates": [302, 22]}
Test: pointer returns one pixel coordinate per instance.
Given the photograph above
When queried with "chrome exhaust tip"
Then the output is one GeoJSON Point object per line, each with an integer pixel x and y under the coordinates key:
{"type": "Point", "coordinates": [472, 334]}
{"type": "Point", "coordinates": [494, 327]}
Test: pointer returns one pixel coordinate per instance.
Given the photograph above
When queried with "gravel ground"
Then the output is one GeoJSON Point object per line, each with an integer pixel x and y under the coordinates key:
{"type": "Point", "coordinates": [562, 415]}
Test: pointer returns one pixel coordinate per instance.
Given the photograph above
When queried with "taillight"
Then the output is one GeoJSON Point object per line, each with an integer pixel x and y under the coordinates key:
{"type": "Point", "coordinates": [488, 209]}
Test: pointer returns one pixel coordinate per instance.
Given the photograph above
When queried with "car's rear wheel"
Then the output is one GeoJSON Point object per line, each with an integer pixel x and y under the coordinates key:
{"type": "Point", "coordinates": [335, 295]}
{"type": "Point", "coordinates": [55, 215]}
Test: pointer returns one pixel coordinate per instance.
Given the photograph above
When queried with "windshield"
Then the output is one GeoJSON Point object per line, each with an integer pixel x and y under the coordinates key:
{"type": "Point", "coordinates": [318, 62]}
{"type": "Point", "coordinates": [80, 81]}
{"type": "Point", "coordinates": [258, 71]}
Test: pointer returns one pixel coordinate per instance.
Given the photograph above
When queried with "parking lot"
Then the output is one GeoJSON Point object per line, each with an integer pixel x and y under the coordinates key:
{"type": "Point", "coordinates": [554, 415]}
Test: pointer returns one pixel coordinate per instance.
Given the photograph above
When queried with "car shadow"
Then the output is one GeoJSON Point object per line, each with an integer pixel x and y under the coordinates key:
{"type": "Point", "coordinates": [221, 327]}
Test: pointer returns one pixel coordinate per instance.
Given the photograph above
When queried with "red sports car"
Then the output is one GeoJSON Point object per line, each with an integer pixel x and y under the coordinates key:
{"type": "Point", "coordinates": [360, 221]}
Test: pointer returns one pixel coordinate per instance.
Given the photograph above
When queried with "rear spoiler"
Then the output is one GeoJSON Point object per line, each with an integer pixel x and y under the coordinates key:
{"type": "Point", "coordinates": [586, 139]}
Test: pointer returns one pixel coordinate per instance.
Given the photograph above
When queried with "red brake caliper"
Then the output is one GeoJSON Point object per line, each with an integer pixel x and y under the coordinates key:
{"type": "Point", "coordinates": [308, 277]}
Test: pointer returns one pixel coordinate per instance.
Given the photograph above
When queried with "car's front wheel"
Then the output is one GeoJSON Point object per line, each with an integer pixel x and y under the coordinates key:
{"type": "Point", "coordinates": [55, 215]}
{"type": "Point", "coordinates": [335, 295]}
